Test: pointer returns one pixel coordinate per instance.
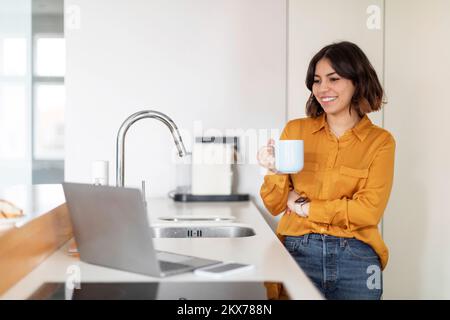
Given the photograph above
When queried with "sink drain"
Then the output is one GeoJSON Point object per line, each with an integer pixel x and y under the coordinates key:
{"type": "Point", "coordinates": [194, 233]}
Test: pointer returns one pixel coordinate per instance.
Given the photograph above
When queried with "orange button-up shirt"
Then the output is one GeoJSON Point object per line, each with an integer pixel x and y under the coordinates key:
{"type": "Point", "coordinates": [348, 181]}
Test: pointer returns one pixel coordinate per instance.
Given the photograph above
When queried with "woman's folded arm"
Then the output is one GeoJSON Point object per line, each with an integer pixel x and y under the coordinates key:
{"type": "Point", "coordinates": [367, 205]}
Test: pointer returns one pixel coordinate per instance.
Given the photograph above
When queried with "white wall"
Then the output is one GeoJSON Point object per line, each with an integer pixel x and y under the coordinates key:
{"type": "Point", "coordinates": [315, 24]}
{"type": "Point", "coordinates": [417, 219]}
{"type": "Point", "coordinates": [219, 62]}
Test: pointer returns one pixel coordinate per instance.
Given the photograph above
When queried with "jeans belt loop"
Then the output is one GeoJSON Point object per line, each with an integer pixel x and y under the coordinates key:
{"type": "Point", "coordinates": [305, 239]}
{"type": "Point", "coordinates": [343, 241]}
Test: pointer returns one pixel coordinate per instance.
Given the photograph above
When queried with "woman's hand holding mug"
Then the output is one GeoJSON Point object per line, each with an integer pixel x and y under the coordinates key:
{"type": "Point", "coordinates": [282, 157]}
{"type": "Point", "coordinates": [266, 157]}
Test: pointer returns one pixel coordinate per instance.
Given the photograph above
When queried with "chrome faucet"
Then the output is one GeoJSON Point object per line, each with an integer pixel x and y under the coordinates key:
{"type": "Point", "coordinates": [120, 145]}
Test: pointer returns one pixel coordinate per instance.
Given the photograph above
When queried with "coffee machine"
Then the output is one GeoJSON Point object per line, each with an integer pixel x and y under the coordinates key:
{"type": "Point", "coordinates": [212, 171]}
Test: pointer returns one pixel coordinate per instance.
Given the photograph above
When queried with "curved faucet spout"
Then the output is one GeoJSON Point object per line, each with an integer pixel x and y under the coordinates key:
{"type": "Point", "coordinates": [120, 144]}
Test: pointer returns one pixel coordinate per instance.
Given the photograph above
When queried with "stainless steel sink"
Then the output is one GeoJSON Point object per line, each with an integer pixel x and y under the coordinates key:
{"type": "Point", "coordinates": [196, 218]}
{"type": "Point", "coordinates": [202, 232]}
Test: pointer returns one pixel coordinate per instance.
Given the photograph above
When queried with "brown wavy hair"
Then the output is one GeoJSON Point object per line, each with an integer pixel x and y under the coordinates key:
{"type": "Point", "coordinates": [349, 62]}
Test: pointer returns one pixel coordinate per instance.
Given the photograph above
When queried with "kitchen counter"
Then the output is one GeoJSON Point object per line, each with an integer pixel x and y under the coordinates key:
{"type": "Point", "coordinates": [271, 260]}
{"type": "Point", "coordinates": [34, 200]}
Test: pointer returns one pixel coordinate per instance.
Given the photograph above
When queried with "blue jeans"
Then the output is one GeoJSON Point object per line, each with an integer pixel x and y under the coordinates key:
{"type": "Point", "coordinates": [341, 268]}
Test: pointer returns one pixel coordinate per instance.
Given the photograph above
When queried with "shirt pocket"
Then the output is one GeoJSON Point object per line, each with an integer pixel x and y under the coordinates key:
{"type": "Point", "coordinates": [351, 180]}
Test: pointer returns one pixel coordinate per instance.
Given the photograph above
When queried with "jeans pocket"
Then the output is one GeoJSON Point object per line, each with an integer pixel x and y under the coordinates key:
{"type": "Point", "coordinates": [360, 250]}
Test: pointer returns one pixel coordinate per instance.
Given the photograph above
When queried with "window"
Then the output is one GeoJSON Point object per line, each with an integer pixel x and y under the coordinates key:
{"type": "Point", "coordinates": [13, 124]}
{"type": "Point", "coordinates": [32, 99]}
{"type": "Point", "coordinates": [50, 57]}
{"type": "Point", "coordinates": [48, 98]}
{"type": "Point", "coordinates": [48, 92]}
{"type": "Point", "coordinates": [15, 57]}
{"type": "Point", "coordinates": [49, 101]}
{"type": "Point", "coordinates": [15, 92]}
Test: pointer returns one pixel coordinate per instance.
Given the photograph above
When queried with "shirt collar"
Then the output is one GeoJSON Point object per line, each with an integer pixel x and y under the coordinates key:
{"type": "Point", "coordinates": [319, 123]}
{"type": "Point", "coordinates": [361, 130]}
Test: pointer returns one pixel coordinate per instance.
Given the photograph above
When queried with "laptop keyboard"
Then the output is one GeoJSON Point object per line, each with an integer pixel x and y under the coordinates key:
{"type": "Point", "coordinates": [172, 257]}
{"type": "Point", "coordinates": [173, 261]}
{"type": "Point", "coordinates": [169, 266]}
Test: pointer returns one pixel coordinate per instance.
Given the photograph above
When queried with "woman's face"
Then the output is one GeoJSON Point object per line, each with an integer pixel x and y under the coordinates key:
{"type": "Point", "coordinates": [333, 92]}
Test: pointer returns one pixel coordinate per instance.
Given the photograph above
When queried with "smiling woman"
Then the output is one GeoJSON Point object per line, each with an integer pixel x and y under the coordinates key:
{"type": "Point", "coordinates": [340, 76]}
{"type": "Point", "coordinates": [333, 211]}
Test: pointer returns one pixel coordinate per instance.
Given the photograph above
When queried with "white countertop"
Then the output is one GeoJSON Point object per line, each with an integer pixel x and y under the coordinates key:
{"type": "Point", "coordinates": [271, 260]}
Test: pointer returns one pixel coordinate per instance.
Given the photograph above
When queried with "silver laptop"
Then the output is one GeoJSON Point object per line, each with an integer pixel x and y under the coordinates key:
{"type": "Point", "coordinates": [111, 229]}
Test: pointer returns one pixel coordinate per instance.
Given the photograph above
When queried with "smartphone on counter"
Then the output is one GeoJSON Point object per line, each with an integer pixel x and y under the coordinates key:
{"type": "Point", "coordinates": [223, 269]}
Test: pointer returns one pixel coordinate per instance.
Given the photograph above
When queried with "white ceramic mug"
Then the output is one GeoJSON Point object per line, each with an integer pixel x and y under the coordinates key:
{"type": "Point", "coordinates": [288, 156]}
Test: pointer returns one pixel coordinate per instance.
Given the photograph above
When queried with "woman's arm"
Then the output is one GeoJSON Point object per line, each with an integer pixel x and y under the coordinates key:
{"type": "Point", "coordinates": [367, 205]}
{"type": "Point", "coordinates": [274, 192]}
{"type": "Point", "coordinates": [275, 188]}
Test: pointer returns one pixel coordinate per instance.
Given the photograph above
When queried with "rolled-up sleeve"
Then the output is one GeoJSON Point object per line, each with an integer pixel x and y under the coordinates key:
{"type": "Point", "coordinates": [274, 192]}
{"type": "Point", "coordinates": [366, 207]}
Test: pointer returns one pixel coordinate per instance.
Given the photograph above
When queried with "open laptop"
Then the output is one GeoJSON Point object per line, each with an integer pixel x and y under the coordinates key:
{"type": "Point", "coordinates": [111, 229]}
